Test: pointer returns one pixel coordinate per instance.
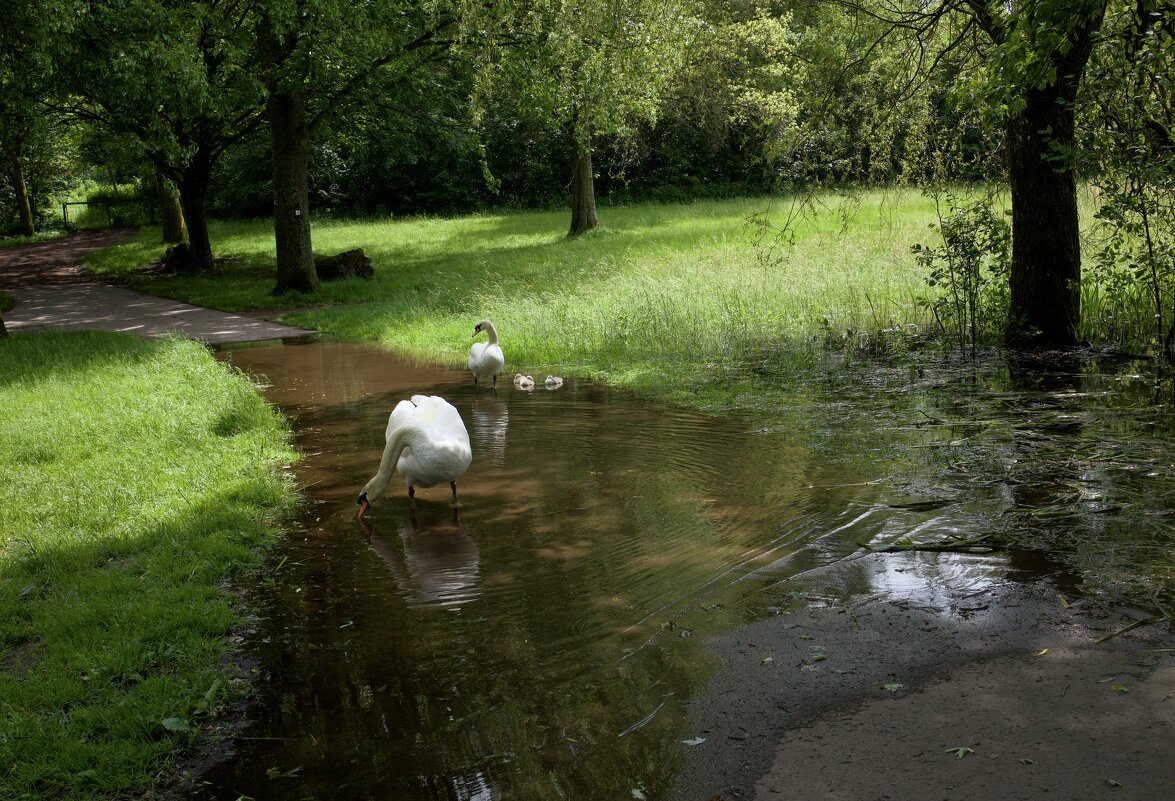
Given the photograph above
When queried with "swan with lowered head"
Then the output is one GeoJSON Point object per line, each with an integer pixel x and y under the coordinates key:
{"type": "Point", "coordinates": [554, 382]}
{"type": "Point", "coordinates": [525, 382]}
{"type": "Point", "coordinates": [427, 442]}
{"type": "Point", "coordinates": [485, 358]}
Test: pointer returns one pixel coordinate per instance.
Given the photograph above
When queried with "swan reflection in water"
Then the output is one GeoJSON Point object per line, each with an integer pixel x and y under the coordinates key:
{"type": "Point", "coordinates": [491, 420]}
{"type": "Point", "coordinates": [435, 564]}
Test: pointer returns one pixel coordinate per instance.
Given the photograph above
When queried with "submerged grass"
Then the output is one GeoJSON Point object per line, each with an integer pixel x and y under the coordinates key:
{"type": "Point", "coordinates": [661, 293]}
{"type": "Point", "coordinates": [139, 477]}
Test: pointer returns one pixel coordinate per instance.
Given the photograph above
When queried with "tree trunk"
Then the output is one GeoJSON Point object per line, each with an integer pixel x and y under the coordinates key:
{"type": "Point", "coordinates": [193, 187]}
{"type": "Point", "coordinates": [25, 209]}
{"type": "Point", "coordinates": [290, 145]}
{"type": "Point", "coordinates": [1045, 279]}
{"type": "Point", "coordinates": [291, 204]}
{"type": "Point", "coordinates": [170, 213]}
{"type": "Point", "coordinates": [583, 192]}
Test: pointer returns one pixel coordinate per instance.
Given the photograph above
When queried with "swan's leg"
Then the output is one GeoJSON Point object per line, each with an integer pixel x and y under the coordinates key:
{"type": "Point", "coordinates": [453, 484]}
{"type": "Point", "coordinates": [412, 496]}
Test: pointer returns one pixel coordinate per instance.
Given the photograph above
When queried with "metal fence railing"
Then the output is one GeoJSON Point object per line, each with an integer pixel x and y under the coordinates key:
{"type": "Point", "coordinates": [108, 207]}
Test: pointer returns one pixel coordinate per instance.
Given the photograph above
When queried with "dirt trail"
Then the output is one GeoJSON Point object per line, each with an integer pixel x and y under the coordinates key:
{"type": "Point", "coordinates": [1016, 701]}
{"type": "Point", "coordinates": [52, 291]}
{"type": "Point", "coordinates": [55, 261]}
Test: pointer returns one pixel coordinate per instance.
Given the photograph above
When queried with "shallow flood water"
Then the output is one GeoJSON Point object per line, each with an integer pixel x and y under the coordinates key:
{"type": "Point", "coordinates": [544, 641]}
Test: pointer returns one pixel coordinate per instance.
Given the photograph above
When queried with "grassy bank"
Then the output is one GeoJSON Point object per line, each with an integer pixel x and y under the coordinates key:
{"type": "Point", "coordinates": [660, 294]}
{"type": "Point", "coordinates": [139, 478]}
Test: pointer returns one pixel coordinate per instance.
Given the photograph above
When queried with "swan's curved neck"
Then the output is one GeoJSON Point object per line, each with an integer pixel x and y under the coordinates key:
{"type": "Point", "coordinates": [387, 463]}
{"type": "Point", "coordinates": [491, 333]}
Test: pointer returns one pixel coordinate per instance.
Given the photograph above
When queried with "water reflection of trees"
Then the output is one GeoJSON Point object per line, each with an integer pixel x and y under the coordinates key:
{"type": "Point", "coordinates": [1065, 456]}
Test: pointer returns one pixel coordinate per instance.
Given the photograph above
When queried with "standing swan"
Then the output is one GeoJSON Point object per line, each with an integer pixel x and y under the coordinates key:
{"type": "Point", "coordinates": [485, 358]}
{"type": "Point", "coordinates": [427, 442]}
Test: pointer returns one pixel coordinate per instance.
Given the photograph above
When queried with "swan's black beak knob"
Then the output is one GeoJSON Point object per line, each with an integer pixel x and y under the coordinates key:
{"type": "Point", "coordinates": [364, 505]}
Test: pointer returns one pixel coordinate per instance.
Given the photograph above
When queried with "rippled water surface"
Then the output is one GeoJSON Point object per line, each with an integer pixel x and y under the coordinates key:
{"type": "Point", "coordinates": [544, 641]}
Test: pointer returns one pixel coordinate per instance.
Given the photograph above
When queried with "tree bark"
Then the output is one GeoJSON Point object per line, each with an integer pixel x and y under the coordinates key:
{"type": "Point", "coordinates": [285, 107]}
{"type": "Point", "coordinates": [24, 207]}
{"type": "Point", "coordinates": [1045, 279]}
{"type": "Point", "coordinates": [170, 213]}
{"type": "Point", "coordinates": [193, 187]}
{"type": "Point", "coordinates": [291, 204]}
{"type": "Point", "coordinates": [583, 192]}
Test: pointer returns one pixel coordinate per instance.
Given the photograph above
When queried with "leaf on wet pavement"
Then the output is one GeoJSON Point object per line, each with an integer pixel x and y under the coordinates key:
{"type": "Point", "coordinates": [960, 751]}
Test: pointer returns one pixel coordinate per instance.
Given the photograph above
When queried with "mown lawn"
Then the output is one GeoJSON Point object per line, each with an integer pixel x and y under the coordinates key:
{"type": "Point", "coordinates": [140, 477]}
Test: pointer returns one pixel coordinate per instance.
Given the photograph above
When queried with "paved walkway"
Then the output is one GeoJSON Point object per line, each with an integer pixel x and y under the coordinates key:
{"type": "Point", "coordinates": [52, 291]}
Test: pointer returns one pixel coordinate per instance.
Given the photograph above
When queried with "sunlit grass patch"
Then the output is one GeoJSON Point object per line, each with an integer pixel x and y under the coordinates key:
{"type": "Point", "coordinates": [676, 287]}
{"type": "Point", "coordinates": [140, 477]}
{"type": "Point", "coordinates": [682, 283]}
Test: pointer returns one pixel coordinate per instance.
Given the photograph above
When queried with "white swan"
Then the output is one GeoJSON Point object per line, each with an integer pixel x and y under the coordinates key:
{"type": "Point", "coordinates": [427, 442]}
{"type": "Point", "coordinates": [554, 382]}
{"type": "Point", "coordinates": [485, 358]}
{"type": "Point", "coordinates": [525, 382]}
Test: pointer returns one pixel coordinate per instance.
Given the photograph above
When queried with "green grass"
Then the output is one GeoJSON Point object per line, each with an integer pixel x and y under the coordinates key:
{"type": "Point", "coordinates": [41, 236]}
{"type": "Point", "coordinates": [659, 293]}
{"type": "Point", "coordinates": [139, 478]}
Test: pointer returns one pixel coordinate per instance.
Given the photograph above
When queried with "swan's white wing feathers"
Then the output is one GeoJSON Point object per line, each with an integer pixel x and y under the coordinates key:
{"type": "Point", "coordinates": [440, 450]}
{"type": "Point", "coordinates": [486, 359]}
{"type": "Point", "coordinates": [405, 412]}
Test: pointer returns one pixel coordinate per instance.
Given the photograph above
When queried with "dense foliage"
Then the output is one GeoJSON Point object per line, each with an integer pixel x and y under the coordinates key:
{"type": "Point", "coordinates": [407, 107]}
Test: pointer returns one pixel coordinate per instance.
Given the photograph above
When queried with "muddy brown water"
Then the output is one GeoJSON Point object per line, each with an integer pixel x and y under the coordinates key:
{"type": "Point", "coordinates": [544, 641]}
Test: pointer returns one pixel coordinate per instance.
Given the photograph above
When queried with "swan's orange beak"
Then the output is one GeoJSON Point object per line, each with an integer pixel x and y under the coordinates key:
{"type": "Point", "coordinates": [363, 506]}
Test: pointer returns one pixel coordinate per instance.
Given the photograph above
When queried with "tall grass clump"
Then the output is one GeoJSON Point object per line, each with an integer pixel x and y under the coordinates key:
{"type": "Point", "coordinates": [140, 477]}
{"type": "Point", "coordinates": [663, 293]}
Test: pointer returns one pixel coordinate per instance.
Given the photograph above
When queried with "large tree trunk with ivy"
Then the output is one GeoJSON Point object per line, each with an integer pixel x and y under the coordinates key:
{"type": "Point", "coordinates": [170, 214]}
{"type": "Point", "coordinates": [24, 207]}
{"type": "Point", "coordinates": [583, 192]}
{"type": "Point", "coordinates": [285, 107]}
